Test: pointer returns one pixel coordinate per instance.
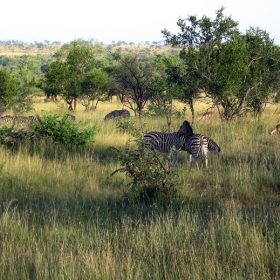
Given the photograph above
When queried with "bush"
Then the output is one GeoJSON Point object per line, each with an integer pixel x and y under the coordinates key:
{"type": "Point", "coordinates": [152, 177]}
{"type": "Point", "coordinates": [5, 134]}
{"type": "Point", "coordinates": [125, 126]}
{"type": "Point", "coordinates": [62, 130]}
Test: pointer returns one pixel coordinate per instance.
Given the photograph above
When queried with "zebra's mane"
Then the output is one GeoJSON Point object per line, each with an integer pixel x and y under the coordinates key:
{"type": "Point", "coordinates": [185, 129]}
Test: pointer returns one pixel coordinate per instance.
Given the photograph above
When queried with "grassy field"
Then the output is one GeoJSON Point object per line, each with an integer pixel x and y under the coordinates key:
{"type": "Point", "coordinates": [47, 50]}
{"type": "Point", "coordinates": [14, 51]}
{"type": "Point", "coordinates": [63, 217]}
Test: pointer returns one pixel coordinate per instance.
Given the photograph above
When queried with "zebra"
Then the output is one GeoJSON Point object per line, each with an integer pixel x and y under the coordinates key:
{"type": "Point", "coordinates": [73, 118]}
{"type": "Point", "coordinates": [32, 118]}
{"type": "Point", "coordinates": [213, 146]}
{"type": "Point", "coordinates": [117, 113]}
{"type": "Point", "coordinates": [164, 142]}
{"type": "Point", "coordinates": [6, 120]}
{"type": "Point", "coordinates": [22, 121]}
{"type": "Point", "coordinates": [198, 145]}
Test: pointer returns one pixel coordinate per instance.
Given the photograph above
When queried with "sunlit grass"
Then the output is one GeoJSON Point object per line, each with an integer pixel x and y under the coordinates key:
{"type": "Point", "coordinates": [62, 216]}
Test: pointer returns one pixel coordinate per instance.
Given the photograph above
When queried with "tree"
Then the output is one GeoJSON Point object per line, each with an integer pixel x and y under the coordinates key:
{"type": "Point", "coordinates": [133, 78]}
{"type": "Point", "coordinates": [237, 71]}
{"type": "Point", "coordinates": [164, 90]}
{"type": "Point", "coordinates": [7, 89]}
{"type": "Point", "coordinates": [183, 82]}
{"type": "Point", "coordinates": [56, 79]}
{"type": "Point", "coordinates": [75, 72]}
{"type": "Point", "coordinates": [13, 92]}
{"type": "Point", "coordinates": [94, 88]}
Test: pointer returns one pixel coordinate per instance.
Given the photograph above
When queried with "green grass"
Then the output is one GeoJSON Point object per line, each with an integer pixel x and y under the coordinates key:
{"type": "Point", "coordinates": [63, 217]}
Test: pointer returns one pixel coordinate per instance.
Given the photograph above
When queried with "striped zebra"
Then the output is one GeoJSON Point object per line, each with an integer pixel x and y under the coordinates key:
{"type": "Point", "coordinates": [197, 146]}
{"type": "Point", "coordinates": [32, 118]}
{"type": "Point", "coordinates": [117, 113]}
{"type": "Point", "coordinates": [164, 142]}
{"type": "Point", "coordinates": [21, 121]}
{"type": "Point", "coordinates": [6, 120]}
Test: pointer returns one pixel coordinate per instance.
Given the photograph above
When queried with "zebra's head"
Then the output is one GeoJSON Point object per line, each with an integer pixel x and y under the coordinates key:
{"type": "Point", "coordinates": [185, 129]}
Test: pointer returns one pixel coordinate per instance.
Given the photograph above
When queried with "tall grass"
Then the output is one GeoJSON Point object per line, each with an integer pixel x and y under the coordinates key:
{"type": "Point", "coordinates": [63, 217]}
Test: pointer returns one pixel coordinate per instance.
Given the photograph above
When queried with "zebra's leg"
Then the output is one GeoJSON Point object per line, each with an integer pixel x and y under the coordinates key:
{"type": "Point", "coordinates": [196, 158]}
{"type": "Point", "coordinates": [174, 157]}
{"type": "Point", "coordinates": [189, 158]}
{"type": "Point", "coordinates": [196, 162]}
{"type": "Point", "coordinates": [206, 160]}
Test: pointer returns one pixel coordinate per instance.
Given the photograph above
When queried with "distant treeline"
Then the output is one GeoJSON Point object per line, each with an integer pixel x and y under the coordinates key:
{"type": "Point", "coordinates": [19, 43]}
{"type": "Point", "coordinates": [35, 43]}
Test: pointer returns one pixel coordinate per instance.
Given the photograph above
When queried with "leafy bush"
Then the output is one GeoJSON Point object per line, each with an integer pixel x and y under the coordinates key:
{"type": "Point", "coordinates": [5, 134]}
{"type": "Point", "coordinates": [125, 126]}
{"type": "Point", "coordinates": [152, 177]}
{"type": "Point", "coordinates": [62, 130]}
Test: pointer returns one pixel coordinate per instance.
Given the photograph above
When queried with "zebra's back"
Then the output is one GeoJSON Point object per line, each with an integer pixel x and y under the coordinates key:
{"type": "Point", "coordinates": [196, 144]}
{"type": "Point", "coordinates": [6, 120]}
{"type": "Point", "coordinates": [163, 142]}
{"type": "Point", "coordinates": [117, 113]}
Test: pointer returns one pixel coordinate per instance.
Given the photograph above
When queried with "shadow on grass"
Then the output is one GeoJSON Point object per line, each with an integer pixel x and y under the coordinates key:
{"type": "Point", "coordinates": [83, 210]}
{"type": "Point", "coordinates": [54, 151]}
{"type": "Point", "coordinates": [108, 211]}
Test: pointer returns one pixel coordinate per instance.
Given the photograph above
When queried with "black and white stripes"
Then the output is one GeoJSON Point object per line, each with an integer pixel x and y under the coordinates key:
{"type": "Point", "coordinates": [24, 121]}
{"type": "Point", "coordinates": [164, 142]}
{"type": "Point", "coordinates": [6, 120]}
{"type": "Point", "coordinates": [196, 145]}
{"type": "Point", "coordinates": [17, 121]}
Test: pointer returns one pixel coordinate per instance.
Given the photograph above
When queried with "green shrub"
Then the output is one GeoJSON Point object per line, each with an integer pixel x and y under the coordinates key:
{"type": "Point", "coordinates": [125, 126]}
{"type": "Point", "coordinates": [62, 130]}
{"type": "Point", "coordinates": [5, 134]}
{"type": "Point", "coordinates": [152, 178]}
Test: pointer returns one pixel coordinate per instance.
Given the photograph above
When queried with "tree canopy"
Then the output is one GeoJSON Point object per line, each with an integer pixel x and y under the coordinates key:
{"type": "Point", "coordinates": [237, 71]}
{"type": "Point", "coordinates": [133, 79]}
{"type": "Point", "coordinates": [77, 74]}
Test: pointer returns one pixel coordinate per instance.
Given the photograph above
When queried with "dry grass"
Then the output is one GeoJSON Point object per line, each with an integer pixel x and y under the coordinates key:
{"type": "Point", "coordinates": [47, 50]}
{"type": "Point", "coordinates": [63, 216]}
{"type": "Point", "coordinates": [13, 51]}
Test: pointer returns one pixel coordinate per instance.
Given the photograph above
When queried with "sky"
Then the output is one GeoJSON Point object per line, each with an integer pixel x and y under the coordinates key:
{"type": "Point", "coordinates": [106, 21]}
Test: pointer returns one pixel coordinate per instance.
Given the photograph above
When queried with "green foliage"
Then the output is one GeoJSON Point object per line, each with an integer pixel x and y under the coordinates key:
{"type": "Point", "coordinates": [8, 88]}
{"type": "Point", "coordinates": [63, 130]}
{"type": "Point", "coordinates": [76, 74]}
{"type": "Point", "coordinates": [5, 134]}
{"type": "Point", "coordinates": [125, 126]}
{"type": "Point", "coordinates": [133, 78]}
{"type": "Point", "coordinates": [152, 177]}
{"type": "Point", "coordinates": [94, 88]}
{"type": "Point", "coordinates": [237, 71]}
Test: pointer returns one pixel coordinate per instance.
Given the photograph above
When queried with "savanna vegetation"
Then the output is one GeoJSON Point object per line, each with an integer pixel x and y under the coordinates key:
{"type": "Point", "coordinates": [82, 199]}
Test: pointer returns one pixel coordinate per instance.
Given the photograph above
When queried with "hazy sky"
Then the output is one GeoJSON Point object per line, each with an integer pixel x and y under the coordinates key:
{"type": "Point", "coordinates": [123, 20]}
